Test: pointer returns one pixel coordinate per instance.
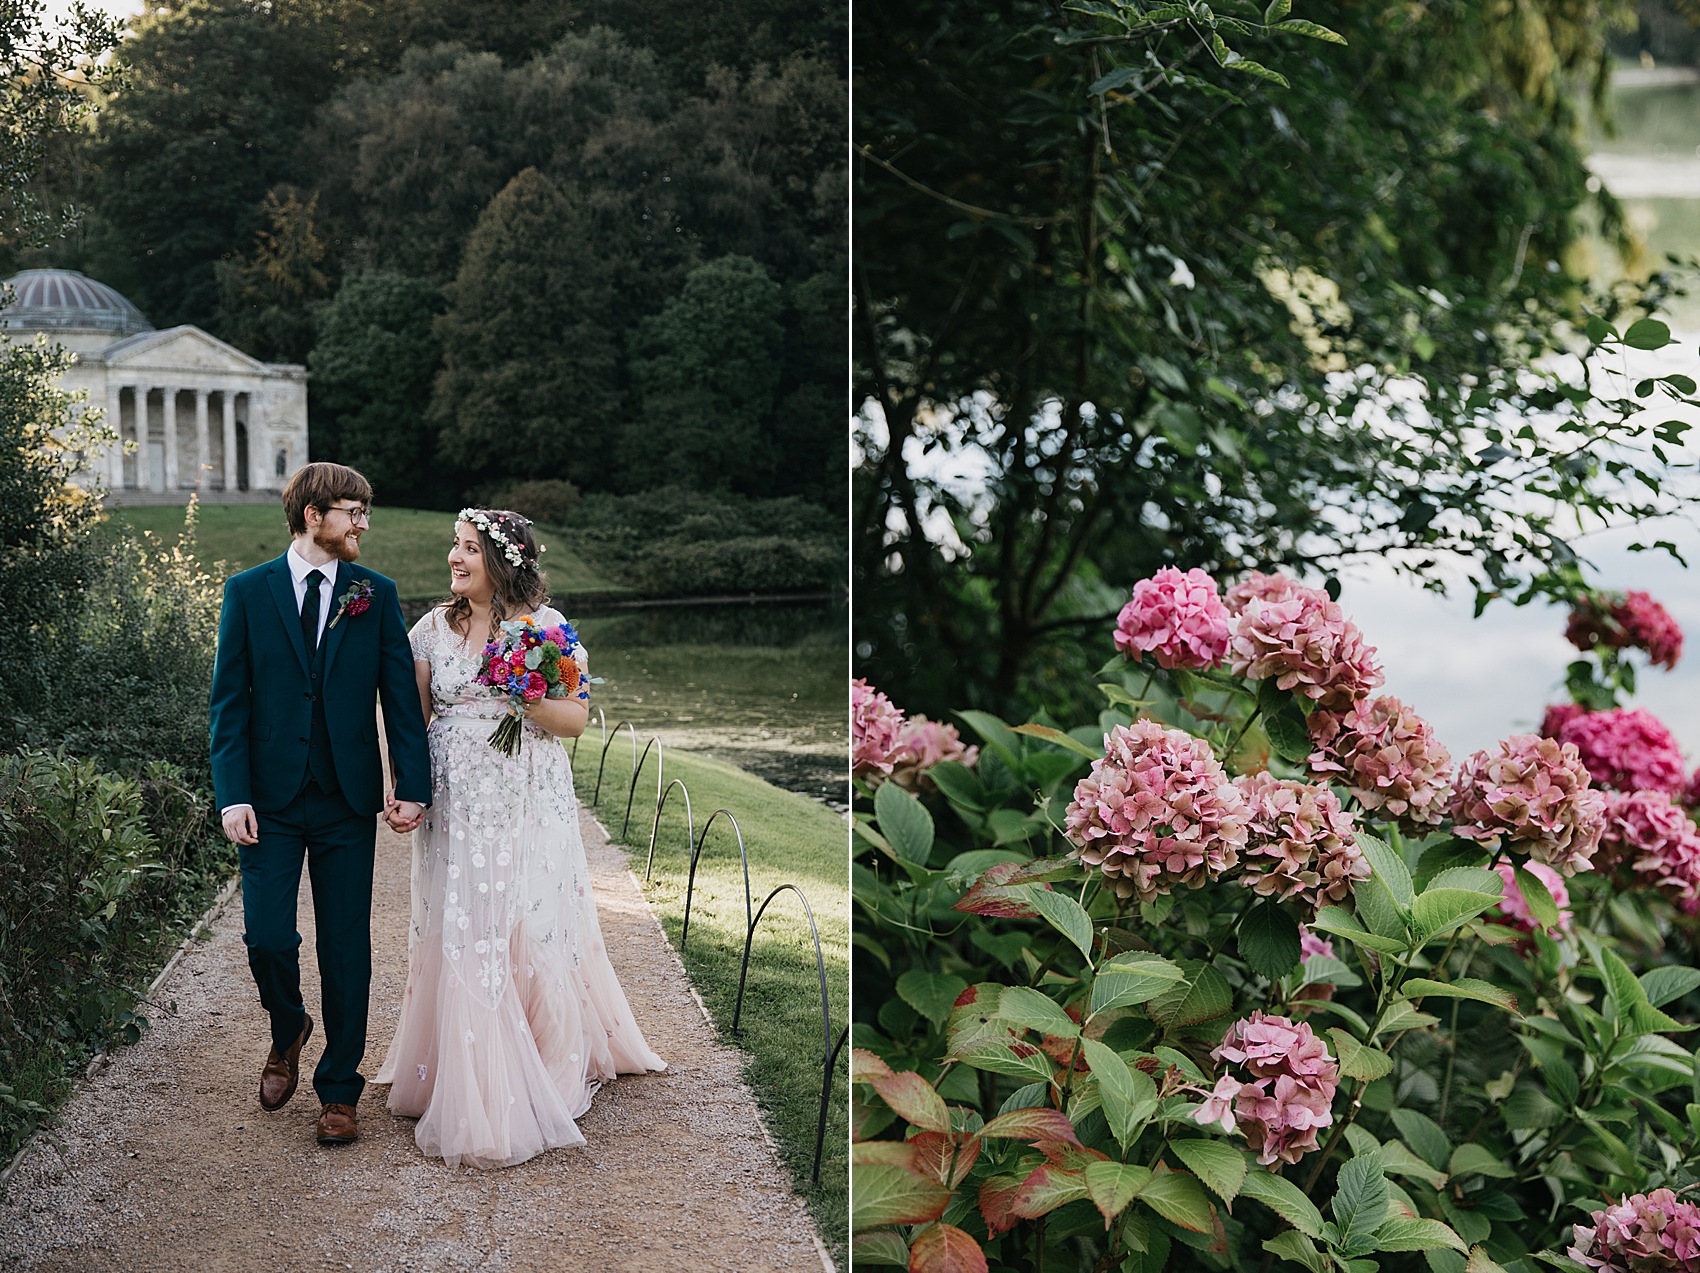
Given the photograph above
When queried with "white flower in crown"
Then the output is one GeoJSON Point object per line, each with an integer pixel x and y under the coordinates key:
{"type": "Point", "coordinates": [512, 551]}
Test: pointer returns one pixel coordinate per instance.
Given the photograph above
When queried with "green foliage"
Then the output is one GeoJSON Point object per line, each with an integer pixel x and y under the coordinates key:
{"type": "Point", "coordinates": [266, 297]}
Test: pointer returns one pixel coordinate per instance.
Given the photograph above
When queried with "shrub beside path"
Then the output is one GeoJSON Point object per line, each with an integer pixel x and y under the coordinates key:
{"type": "Point", "coordinates": [167, 1161]}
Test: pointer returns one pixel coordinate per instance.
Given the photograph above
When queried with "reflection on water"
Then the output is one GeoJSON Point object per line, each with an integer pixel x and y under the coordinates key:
{"type": "Point", "coordinates": [762, 686]}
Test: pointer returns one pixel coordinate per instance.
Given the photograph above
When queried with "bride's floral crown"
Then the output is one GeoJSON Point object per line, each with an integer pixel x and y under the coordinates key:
{"type": "Point", "coordinates": [492, 527]}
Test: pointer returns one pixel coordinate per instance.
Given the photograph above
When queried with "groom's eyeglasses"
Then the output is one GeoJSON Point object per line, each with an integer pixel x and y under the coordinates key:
{"type": "Point", "coordinates": [356, 512]}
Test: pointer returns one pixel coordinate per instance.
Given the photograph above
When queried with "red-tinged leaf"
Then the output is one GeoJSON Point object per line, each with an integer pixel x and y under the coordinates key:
{"type": "Point", "coordinates": [1032, 1125]}
{"type": "Point", "coordinates": [1062, 1051]}
{"type": "Point", "coordinates": [946, 1158]}
{"type": "Point", "coordinates": [869, 1116]}
{"type": "Point", "coordinates": [974, 1017]}
{"type": "Point", "coordinates": [1113, 1186]}
{"type": "Point", "coordinates": [866, 1065]}
{"type": "Point", "coordinates": [1046, 1189]}
{"type": "Point", "coordinates": [891, 1153]}
{"type": "Point", "coordinates": [943, 1248]}
{"type": "Point", "coordinates": [913, 1098]}
{"type": "Point", "coordinates": [992, 896]}
{"type": "Point", "coordinates": [884, 1194]}
{"type": "Point", "coordinates": [1060, 1153]}
{"type": "Point", "coordinates": [997, 1202]}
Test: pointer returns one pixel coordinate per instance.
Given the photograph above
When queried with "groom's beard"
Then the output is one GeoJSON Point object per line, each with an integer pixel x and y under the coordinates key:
{"type": "Point", "coordinates": [343, 547]}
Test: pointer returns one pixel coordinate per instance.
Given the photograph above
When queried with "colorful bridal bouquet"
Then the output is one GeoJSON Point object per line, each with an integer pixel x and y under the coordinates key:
{"type": "Point", "coordinates": [525, 663]}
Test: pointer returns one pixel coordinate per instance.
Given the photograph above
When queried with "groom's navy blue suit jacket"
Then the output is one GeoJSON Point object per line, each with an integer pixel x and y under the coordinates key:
{"type": "Point", "coordinates": [262, 691]}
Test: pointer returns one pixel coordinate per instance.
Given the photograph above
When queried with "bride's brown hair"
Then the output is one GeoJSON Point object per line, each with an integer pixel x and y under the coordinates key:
{"type": "Point", "coordinates": [514, 589]}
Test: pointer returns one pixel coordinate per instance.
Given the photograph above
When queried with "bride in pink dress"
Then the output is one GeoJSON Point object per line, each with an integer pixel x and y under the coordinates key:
{"type": "Point", "coordinates": [513, 1016]}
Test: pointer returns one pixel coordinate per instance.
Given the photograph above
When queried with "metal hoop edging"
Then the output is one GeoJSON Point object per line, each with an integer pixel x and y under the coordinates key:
{"type": "Point", "coordinates": [691, 882]}
{"type": "Point", "coordinates": [596, 796]}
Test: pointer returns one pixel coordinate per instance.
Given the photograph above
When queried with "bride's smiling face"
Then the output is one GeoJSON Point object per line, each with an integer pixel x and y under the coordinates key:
{"type": "Point", "coordinates": [468, 576]}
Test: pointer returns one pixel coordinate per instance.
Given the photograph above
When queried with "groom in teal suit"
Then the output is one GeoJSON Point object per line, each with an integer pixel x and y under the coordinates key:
{"type": "Point", "coordinates": [308, 645]}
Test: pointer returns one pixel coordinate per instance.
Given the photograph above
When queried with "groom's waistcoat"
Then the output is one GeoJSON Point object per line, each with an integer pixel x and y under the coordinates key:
{"type": "Point", "coordinates": [280, 714]}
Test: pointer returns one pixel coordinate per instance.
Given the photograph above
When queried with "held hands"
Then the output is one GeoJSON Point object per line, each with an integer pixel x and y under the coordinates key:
{"type": "Point", "coordinates": [403, 815]}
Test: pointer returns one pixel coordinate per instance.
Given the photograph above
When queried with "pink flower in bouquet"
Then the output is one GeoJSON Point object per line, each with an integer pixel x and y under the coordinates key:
{"type": "Point", "coordinates": [1176, 617]}
{"type": "Point", "coordinates": [1389, 757]}
{"type": "Point", "coordinates": [1258, 586]}
{"type": "Point", "coordinates": [921, 744]}
{"type": "Point", "coordinates": [1558, 716]}
{"type": "Point", "coordinates": [1516, 910]}
{"type": "Point", "coordinates": [1299, 843]}
{"type": "Point", "coordinates": [535, 686]}
{"type": "Point", "coordinates": [1645, 1232]}
{"type": "Point", "coordinates": [1290, 1095]}
{"type": "Point", "coordinates": [1627, 749]}
{"type": "Point", "coordinates": [1307, 644]}
{"type": "Point", "coordinates": [1157, 811]}
{"type": "Point", "coordinates": [874, 727]}
{"type": "Point", "coordinates": [1649, 840]}
{"type": "Point", "coordinates": [1633, 620]}
{"type": "Point", "coordinates": [1536, 793]}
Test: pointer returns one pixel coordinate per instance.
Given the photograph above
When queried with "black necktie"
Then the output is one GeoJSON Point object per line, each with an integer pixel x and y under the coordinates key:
{"type": "Point", "coordinates": [310, 611]}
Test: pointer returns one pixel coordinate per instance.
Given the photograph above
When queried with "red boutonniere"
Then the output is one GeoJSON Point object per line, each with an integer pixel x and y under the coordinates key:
{"type": "Point", "coordinates": [357, 600]}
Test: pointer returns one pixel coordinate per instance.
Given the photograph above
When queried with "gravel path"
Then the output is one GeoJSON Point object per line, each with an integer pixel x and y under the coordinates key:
{"type": "Point", "coordinates": [168, 1163]}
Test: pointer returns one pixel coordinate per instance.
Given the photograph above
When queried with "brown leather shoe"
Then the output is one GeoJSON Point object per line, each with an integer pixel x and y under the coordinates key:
{"type": "Point", "coordinates": [282, 1073]}
{"type": "Point", "coordinates": [338, 1125]}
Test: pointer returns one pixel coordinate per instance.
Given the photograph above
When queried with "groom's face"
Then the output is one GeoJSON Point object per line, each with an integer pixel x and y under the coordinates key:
{"type": "Point", "coordinates": [340, 527]}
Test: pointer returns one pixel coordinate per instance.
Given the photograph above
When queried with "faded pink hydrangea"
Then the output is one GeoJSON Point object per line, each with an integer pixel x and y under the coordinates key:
{"type": "Point", "coordinates": [1627, 749]}
{"type": "Point", "coordinates": [874, 727]}
{"type": "Point", "coordinates": [1691, 792]}
{"type": "Point", "coordinates": [921, 744]}
{"type": "Point", "coordinates": [1176, 617]}
{"type": "Point", "coordinates": [1536, 793]}
{"type": "Point", "coordinates": [1156, 812]}
{"type": "Point", "coordinates": [1261, 587]}
{"type": "Point", "coordinates": [1389, 757]}
{"type": "Point", "coordinates": [1515, 908]}
{"type": "Point", "coordinates": [1630, 620]}
{"type": "Point", "coordinates": [1309, 995]}
{"type": "Point", "coordinates": [1310, 944]}
{"type": "Point", "coordinates": [1300, 844]}
{"type": "Point", "coordinates": [1284, 1090]}
{"type": "Point", "coordinates": [1641, 1234]}
{"type": "Point", "coordinates": [1307, 644]}
{"type": "Point", "coordinates": [1650, 843]}
{"type": "Point", "coordinates": [1558, 716]}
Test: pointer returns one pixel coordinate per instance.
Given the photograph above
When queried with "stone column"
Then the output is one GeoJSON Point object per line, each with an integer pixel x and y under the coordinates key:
{"type": "Point", "coordinates": [173, 469]}
{"type": "Point", "coordinates": [229, 403]}
{"type": "Point", "coordinates": [139, 395]}
{"type": "Point", "coordinates": [115, 418]}
{"type": "Point", "coordinates": [202, 453]}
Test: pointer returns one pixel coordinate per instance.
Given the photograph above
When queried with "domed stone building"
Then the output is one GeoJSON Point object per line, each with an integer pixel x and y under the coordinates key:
{"type": "Point", "coordinates": [193, 412]}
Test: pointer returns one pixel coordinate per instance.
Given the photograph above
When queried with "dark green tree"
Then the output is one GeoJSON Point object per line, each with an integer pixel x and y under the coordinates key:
{"type": "Point", "coordinates": [808, 430]}
{"type": "Point", "coordinates": [267, 297]}
{"type": "Point", "coordinates": [531, 341]}
{"type": "Point", "coordinates": [373, 367]}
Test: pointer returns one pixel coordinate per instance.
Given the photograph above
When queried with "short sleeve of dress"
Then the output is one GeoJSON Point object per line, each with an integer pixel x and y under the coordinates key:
{"type": "Point", "coordinates": [422, 636]}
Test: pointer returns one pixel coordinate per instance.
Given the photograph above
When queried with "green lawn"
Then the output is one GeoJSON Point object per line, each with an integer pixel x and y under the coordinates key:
{"type": "Point", "coordinates": [409, 545]}
{"type": "Point", "coordinates": [790, 839]}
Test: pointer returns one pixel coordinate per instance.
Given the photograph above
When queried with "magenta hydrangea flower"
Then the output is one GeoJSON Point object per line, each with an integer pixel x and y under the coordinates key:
{"type": "Point", "coordinates": [1631, 620]}
{"type": "Point", "coordinates": [1258, 586]}
{"type": "Point", "coordinates": [1176, 617]}
{"type": "Point", "coordinates": [1691, 792]}
{"type": "Point", "coordinates": [1558, 716]}
{"type": "Point", "coordinates": [1515, 908]}
{"type": "Point", "coordinates": [1283, 1093]}
{"type": "Point", "coordinates": [1536, 793]}
{"type": "Point", "coordinates": [1389, 757]}
{"type": "Point", "coordinates": [1300, 844]}
{"type": "Point", "coordinates": [1649, 840]}
{"type": "Point", "coordinates": [1306, 643]}
{"type": "Point", "coordinates": [1310, 944]}
{"type": "Point", "coordinates": [921, 744]}
{"type": "Point", "coordinates": [1627, 749]}
{"type": "Point", "coordinates": [1642, 1233]}
{"type": "Point", "coordinates": [874, 726]}
{"type": "Point", "coordinates": [1156, 812]}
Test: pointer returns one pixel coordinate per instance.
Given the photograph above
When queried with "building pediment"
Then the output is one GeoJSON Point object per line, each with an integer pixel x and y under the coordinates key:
{"type": "Point", "coordinates": [185, 348]}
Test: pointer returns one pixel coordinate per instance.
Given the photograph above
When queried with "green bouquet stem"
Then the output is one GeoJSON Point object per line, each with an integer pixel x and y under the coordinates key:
{"type": "Point", "coordinates": [505, 738]}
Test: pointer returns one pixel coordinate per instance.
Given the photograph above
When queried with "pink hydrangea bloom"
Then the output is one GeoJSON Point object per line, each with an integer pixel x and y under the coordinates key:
{"type": "Point", "coordinates": [1306, 643]}
{"type": "Point", "coordinates": [1261, 587]}
{"type": "Point", "coordinates": [1176, 617]}
{"type": "Point", "coordinates": [1627, 749]}
{"type": "Point", "coordinates": [1299, 843]}
{"type": "Point", "coordinates": [1534, 792]}
{"type": "Point", "coordinates": [1645, 1232]}
{"type": "Point", "coordinates": [1389, 757]}
{"type": "Point", "coordinates": [1283, 1093]}
{"type": "Point", "coordinates": [1630, 620]}
{"type": "Point", "coordinates": [1691, 792]}
{"type": "Point", "coordinates": [1308, 996]}
{"type": "Point", "coordinates": [874, 728]}
{"type": "Point", "coordinates": [1516, 910]}
{"type": "Point", "coordinates": [1649, 840]}
{"type": "Point", "coordinates": [921, 744]}
{"type": "Point", "coordinates": [1310, 944]}
{"type": "Point", "coordinates": [1558, 716]}
{"type": "Point", "coordinates": [1157, 811]}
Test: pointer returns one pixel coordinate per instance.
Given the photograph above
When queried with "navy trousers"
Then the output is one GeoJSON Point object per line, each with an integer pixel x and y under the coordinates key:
{"type": "Point", "coordinates": [336, 843]}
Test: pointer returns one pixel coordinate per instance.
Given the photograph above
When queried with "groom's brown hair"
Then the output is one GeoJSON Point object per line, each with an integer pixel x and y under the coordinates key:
{"type": "Point", "coordinates": [319, 486]}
